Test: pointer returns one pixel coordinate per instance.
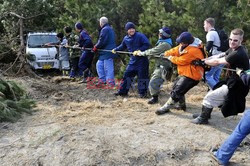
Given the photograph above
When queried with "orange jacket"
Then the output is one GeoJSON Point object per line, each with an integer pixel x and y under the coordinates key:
{"type": "Point", "coordinates": [184, 58]}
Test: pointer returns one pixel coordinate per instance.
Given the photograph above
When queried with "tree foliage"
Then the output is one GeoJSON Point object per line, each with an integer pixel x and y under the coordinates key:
{"type": "Point", "coordinates": [148, 15]}
{"type": "Point", "coordinates": [13, 101]}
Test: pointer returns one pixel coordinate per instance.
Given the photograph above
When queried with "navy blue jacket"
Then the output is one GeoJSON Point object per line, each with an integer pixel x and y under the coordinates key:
{"type": "Point", "coordinates": [85, 40]}
{"type": "Point", "coordinates": [132, 43]}
{"type": "Point", "coordinates": [106, 41]}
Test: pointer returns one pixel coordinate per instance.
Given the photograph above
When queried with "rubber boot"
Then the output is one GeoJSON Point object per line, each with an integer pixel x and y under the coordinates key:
{"type": "Point", "coordinates": [63, 73]}
{"type": "Point", "coordinates": [81, 80]}
{"type": "Point", "coordinates": [67, 72]}
{"type": "Point", "coordinates": [182, 104]}
{"type": "Point", "coordinates": [197, 114]}
{"type": "Point", "coordinates": [165, 108]}
{"type": "Point", "coordinates": [203, 118]}
{"type": "Point", "coordinates": [153, 100]}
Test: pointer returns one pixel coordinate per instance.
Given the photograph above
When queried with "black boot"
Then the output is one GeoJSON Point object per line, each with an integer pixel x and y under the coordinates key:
{"type": "Point", "coordinates": [143, 96]}
{"type": "Point", "coordinates": [166, 107]}
{"type": "Point", "coordinates": [203, 118]}
{"type": "Point", "coordinates": [197, 114]}
{"type": "Point", "coordinates": [182, 104]}
{"type": "Point", "coordinates": [121, 94]}
{"type": "Point", "coordinates": [153, 100]}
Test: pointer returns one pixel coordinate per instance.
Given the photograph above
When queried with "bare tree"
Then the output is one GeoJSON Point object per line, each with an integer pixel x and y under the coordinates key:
{"type": "Point", "coordinates": [20, 53]}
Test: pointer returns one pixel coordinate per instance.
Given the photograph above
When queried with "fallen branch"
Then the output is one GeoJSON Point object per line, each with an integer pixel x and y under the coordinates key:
{"type": "Point", "coordinates": [4, 52]}
{"type": "Point", "coordinates": [10, 143]}
{"type": "Point", "coordinates": [12, 63]}
{"type": "Point", "coordinates": [22, 46]}
{"type": "Point", "coordinates": [3, 126]}
{"type": "Point", "coordinates": [42, 124]}
{"type": "Point", "coordinates": [21, 66]}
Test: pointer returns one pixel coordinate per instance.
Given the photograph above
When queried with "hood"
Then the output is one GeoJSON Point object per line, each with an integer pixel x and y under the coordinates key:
{"type": "Point", "coordinates": [197, 42]}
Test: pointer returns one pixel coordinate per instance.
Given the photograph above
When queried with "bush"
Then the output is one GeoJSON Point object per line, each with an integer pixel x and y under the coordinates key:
{"type": "Point", "coordinates": [13, 101]}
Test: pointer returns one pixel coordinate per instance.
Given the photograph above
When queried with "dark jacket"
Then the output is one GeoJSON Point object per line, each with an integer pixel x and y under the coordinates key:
{"type": "Point", "coordinates": [132, 43]}
{"type": "Point", "coordinates": [236, 98]}
{"type": "Point", "coordinates": [237, 90]}
{"type": "Point", "coordinates": [106, 41]}
{"type": "Point", "coordinates": [85, 41]}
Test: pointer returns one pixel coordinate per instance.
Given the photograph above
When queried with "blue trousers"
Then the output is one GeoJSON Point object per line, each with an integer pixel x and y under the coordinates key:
{"type": "Point", "coordinates": [128, 78]}
{"type": "Point", "coordinates": [105, 71]}
{"type": "Point", "coordinates": [228, 148]}
{"type": "Point", "coordinates": [213, 75]}
{"type": "Point", "coordinates": [85, 62]}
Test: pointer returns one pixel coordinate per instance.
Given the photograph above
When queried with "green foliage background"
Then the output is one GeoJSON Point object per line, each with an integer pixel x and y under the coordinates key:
{"type": "Point", "coordinates": [148, 15]}
{"type": "Point", "coordinates": [13, 101]}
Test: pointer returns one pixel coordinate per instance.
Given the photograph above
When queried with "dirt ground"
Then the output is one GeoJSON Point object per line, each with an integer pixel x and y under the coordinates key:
{"type": "Point", "coordinates": [75, 125]}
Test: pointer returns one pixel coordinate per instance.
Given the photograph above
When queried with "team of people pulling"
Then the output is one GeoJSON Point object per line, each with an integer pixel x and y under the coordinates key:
{"type": "Point", "coordinates": [228, 94]}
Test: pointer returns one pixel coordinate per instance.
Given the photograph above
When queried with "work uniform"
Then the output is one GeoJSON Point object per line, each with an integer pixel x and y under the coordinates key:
{"type": "Point", "coordinates": [86, 57]}
{"type": "Point", "coordinates": [138, 65]}
{"type": "Point", "coordinates": [105, 63]}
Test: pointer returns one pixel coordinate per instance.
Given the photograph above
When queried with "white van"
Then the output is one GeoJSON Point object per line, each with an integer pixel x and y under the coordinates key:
{"type": "Point", "coordinates": [39, 56]}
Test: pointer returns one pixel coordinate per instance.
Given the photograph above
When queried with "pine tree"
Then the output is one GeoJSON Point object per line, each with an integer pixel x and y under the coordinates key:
{"type": "Point", "coordinates": [13, 101]}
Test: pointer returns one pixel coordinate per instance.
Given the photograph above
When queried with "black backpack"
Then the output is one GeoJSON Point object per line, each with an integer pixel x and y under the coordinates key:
{"type": "Point", "coordinates": [224, 45]}
{"type": "Point", "coordinates": [199, 62]}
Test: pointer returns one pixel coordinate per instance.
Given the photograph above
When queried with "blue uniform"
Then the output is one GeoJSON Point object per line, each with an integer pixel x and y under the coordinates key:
{"type": "Point", "coordinates": [106, 41]}
{"type": "Point", "coordinates": [87, 56]}
{"type": "Point", "coordinates": [138, 65]}
{"type": "Point", "coordinates": [105, 63]}
{"type": "Point", "coordinates": [227, 149]}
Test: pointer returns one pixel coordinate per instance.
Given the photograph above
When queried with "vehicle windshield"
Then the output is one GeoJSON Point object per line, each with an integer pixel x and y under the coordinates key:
{"type": "Point", "coordinates": [40, 40]}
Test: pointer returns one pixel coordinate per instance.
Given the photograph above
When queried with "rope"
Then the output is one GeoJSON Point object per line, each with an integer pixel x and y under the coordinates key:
{"type": "Point", "coordinates": [125, 52]}
{"type": "Point", "coordinates": [229, 69]}
{"type": "Point", "coordinates": [90, 49]}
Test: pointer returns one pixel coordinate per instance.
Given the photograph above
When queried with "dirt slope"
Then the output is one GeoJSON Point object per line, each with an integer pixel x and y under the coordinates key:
{"type": "Point", "coordinates": [75, 125]}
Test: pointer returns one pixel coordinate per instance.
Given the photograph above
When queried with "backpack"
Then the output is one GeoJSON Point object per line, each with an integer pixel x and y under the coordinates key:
{"type": "Point", "coordinates": [201, 63]}
{"type": "Point", "coordinates": [224, 45]}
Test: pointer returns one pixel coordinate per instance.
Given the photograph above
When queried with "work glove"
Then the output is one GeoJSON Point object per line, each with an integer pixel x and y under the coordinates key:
{"type": "Point", "coordinates": [76, 37]}
{"type": "Point", "coordinates": [238, 71]}
{"type": "Point", "coordinates": [113, 51]}
{"type": "Point", "coordinates": [162, 55]}
{"type": "Point", "coordinates": [48, 44]}
{"type": "Point", "coordinates": [169, 57]}
{"type": "Point", "coordinates": [94, 49]}
{"type": "Point", "coordinates": [75, 46]}
{"type": "Point", "coordinates": [198, 62]}
{"type": "Point", "coordinates": [137, 53]}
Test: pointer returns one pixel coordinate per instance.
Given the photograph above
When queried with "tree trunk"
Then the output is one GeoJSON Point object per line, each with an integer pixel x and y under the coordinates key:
{"type": "Point", "coordinates": [20, 54]}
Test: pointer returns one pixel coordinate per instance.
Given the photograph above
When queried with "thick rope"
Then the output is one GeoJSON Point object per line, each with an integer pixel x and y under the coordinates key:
{"type": "Point", "coordinates": [125, 52]}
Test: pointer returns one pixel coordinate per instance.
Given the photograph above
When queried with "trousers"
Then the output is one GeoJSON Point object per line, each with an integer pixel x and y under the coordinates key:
{"type": "Point", "coordinates": [227, 149]}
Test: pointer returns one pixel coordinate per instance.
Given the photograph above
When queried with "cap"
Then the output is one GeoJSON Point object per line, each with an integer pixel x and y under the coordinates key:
{"type": "Point", "coordinates": [185, 37]}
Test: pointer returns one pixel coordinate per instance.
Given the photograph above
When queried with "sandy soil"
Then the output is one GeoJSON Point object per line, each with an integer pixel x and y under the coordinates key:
{"type": "Point", "coordinates": [75, 125]}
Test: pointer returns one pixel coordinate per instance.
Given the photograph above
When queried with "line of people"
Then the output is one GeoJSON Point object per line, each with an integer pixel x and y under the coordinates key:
{"type": "Point", "coordinates": [228, 94]}
{"type": "Point", "coordinates": [188, 50]}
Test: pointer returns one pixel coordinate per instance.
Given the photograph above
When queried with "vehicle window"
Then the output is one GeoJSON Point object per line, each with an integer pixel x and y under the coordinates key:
{"type": "Point", "coordinates": [39, 40]}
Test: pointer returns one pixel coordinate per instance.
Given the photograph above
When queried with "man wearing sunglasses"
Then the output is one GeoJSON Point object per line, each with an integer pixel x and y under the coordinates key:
{"type": "Point", "coordinates": [229, 94]}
